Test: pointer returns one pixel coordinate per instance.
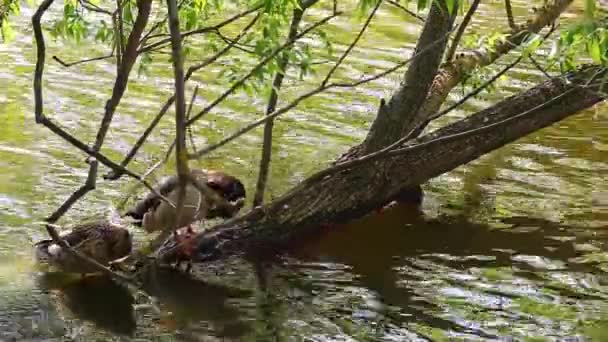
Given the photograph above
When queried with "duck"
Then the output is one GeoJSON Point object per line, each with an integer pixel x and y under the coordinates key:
{"type": "Point", "coordinates": [101, 240]}
{"type": "Point", "coordinates": [183, 240]}
{"type": "Point", "coordinates": [153, 214]}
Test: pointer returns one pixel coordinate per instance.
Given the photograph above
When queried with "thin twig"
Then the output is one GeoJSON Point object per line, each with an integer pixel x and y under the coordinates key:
{"type": "Point", "coordinates": [120, 28]}
{"type": "Point", "coordinates": [150, 34]}
{"type": "Point", "coordinates": [69, 64]}
{"type": "Point", "coordinates": [149, 171]}
{"type": "Point", "coordinates": [258, 198]}
{"type": "Point", "coordinates": [201, 30]}
{"type": "Point", "coordinates": [313, 92]}
{"type": "Point", "coordinates": [94, 8]}
{"type": "Point", "coordinates": [115, 174]}
{"type": "Point", "coordinates": [510, 15]}
{"type": "Point", "coordinates": [475, 91]}
{"type": "Point", "coordinates": [190, 135]}
{"type": "Point", "coordinates": [353, 43]}
{"type": "Point", "coordinates": [461, 28]}
{"type": "Point", "coordinates": [242, 47]}
{"type": "Point", "coordinates": [267, 59]}
{"type": "Point", "coordinates": [539, 67]}
{"type": "Point", "coordinates": [403, 8]}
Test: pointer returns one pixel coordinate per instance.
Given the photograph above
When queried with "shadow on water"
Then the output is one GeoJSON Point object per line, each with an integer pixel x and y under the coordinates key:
{"type": "Point", "coordinates": [97, 299]}
{"type": "Point", "coordinates": [191, 302]}
{"type": "Point", "coordinates": [396, 254]}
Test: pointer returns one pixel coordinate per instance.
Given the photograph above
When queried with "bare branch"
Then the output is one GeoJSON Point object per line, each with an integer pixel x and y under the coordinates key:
{"type": "Point", "coordinates": [352, 44]}
{"type": "Point", "coordinates": [267, 59]}
{"type": "Point", "coordinates": [190, 136]}
{"type": "Point", "coordinates": [510, 15]}
{"type": "Point", "coordinates": [67, 65]}
{"type": "Point", "coordinates": [181, 158]}
{"type": "Point", "coordinates": [461, 28]}
{"type": "Point", "coordinates": [272, 102]}
{"type": "Point", "coordinates": [539, 67]}
{"type": "Point", "coordinates": [403, 8]}
{"type": "Point", "coordinates": [114, 174]}
{"type": "Point", "coordinates": [39, 105]}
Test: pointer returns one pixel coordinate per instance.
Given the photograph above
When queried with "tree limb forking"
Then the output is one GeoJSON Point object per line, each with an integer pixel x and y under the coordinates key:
{"type": "Point", "coordinates": [452, 73]}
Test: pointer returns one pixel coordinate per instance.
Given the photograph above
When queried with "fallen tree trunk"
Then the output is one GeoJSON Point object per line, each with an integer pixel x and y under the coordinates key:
{"type": "Point", "coordinates": [341, 193]}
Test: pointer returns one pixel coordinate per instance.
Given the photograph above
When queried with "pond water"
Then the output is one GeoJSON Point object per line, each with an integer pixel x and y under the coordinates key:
{"type": "Point", "coordinates": [512, 245]}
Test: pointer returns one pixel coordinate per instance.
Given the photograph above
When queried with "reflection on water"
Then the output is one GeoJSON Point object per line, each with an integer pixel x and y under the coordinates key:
{"type": "Point", "coordinates": [511, 245]}
{"type": "Point", "coordinates": [96, 299]}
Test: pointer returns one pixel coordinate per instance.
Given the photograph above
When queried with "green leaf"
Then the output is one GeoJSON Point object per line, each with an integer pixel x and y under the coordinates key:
{"type": "Point", "coordinates": [422, 4]}
{"type": "Point", "coordinates": [7, 32]}
{"type": "Point", "coordinates": [594, 51]}
{"type": "Point", "coordinates": [450, 5]}
{"type": "Point", "coordinates": [531, 45]}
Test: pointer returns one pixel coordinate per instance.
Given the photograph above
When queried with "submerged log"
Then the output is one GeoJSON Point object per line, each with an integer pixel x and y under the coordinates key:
{"type": "Point", "coordinates": [342, 193]}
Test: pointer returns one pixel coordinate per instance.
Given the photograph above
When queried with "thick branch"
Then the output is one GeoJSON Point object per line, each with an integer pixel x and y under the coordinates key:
{"type": "Point", "coordinates": [181, 158]}
{"type": "Point", "coordinates": [355, 191]}
{"type": "Point", "coordinates": [401, 109]}
{"type": "Point", "coordinates": [454, 72]}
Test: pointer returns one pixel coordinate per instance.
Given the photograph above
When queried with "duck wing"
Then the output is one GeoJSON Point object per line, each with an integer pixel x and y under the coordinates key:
{"type": "Point", "coordinates": [151, 201]}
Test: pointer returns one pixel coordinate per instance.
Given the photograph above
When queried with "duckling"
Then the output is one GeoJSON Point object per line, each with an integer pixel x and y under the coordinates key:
{"type": "Point", "coordinates": [183, 240]}
{"type": "Point", "coordinates": [153, 214]}
{"type": "Point", "coordinates": [100, 240]}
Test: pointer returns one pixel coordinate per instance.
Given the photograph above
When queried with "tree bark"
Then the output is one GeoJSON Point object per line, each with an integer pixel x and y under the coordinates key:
{"type": "Point", "coordinates": [393, 117]}
{"type": "Point", "coordinates": [367, 185]}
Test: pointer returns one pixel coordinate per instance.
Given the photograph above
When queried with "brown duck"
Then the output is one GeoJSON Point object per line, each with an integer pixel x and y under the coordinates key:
{"type": "Point", "coordinates": [100, 240]}
{"type": "Point", "coordinates": [153, 214]}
